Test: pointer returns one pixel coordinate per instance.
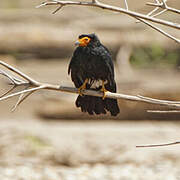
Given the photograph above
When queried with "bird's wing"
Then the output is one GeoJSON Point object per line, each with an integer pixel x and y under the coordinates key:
{"type": "Point", "coordinates": [107, 59]}
{"type": "Point", "coordinates": [74, 70]}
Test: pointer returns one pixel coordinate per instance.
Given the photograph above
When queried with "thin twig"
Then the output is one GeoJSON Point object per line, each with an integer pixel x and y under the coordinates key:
{"type": "Point", "coordinates": [126, 4]}
{"type": "Point", "coordinates": [159, 13]}
{"type": "Point", "coordinates": [30, 80]}
{"type": "Point", "coordinates": [163, 112]}
{"type": "Point", "coordinates": [158, 145]}
{"type": "Point", "coordinates": [163, 5]}
{"type": "Point", "coordinates": [15, 106]}
{"type": "Point", "coordinates": [21, 92]}
{"type": "Point", "coordinates": [21, 99]}
{"type": "Point", "coordinates": [54, 12]}
{"type": "Point", "coordinates": [159, 30]}
{"type": "Point", "coordinates": [10, 90]}
{"type": "Point", "coordinates": [150, 13]}
{"type": "Point", "coordinates": [154, 10]}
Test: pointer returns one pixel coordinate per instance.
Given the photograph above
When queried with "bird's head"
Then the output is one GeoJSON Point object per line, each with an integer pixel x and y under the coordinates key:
{"type": "Point", "coordinates": [87, 40]}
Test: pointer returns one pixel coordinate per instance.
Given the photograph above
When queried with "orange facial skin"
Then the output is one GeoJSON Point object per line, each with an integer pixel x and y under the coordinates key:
{"type": "Point", "coordinates": [84, 41]}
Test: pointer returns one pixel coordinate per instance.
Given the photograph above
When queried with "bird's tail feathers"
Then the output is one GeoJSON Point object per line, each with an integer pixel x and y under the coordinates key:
{"type": "Point", "coordinates": [96, 105]}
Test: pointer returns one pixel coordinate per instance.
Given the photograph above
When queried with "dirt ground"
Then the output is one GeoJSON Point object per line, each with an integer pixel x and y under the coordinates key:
{"type": "Point", "coordinates": [34, 149]}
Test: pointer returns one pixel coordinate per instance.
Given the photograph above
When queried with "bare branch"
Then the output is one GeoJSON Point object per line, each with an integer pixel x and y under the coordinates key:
{"type": "Point", "coordinates": [60, 7]}
{"type": "Point", "coordinates": [24, 76]}
{"type": "Point", "coordinates": [126, 4]}
{"type": "Point", "coordinates": [155, 15]}
{"type": "Point", "coordinates": [164, 112]}
{"type": "Point", "coordinates": [159, 30]}
{"type": "Point", "coordinates": [13, 80]}
{"type": "Point", "coordinates": [21, 92]}
{"type": "Point", "coordinates": [10, 90]}
{"type": "Point", "coordinates": [159, 13]}
{"type": "Point", "coordinates": [21, 99]}
{"type": "Point", "coordinates": [35, 86]}
{"type": "Point", "coordinates": [151, 99]}
{"type": "Point", "coordinates": [111, 8]}
{"type": "Point", "coordinates": [158, 145]}
{"type": "Point", "coordinates": [163, 5]}
{"type": "Point", "coordinates": [18, 102]}
{"type": "Point", "coordinates": [141, 17]}
{"type": "Point", "coordinates": [154, 10]}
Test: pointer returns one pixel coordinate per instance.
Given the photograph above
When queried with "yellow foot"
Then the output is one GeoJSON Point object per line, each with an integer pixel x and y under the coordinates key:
{"type": "Point", "coordinates": [103, 89]}
{"type": "Point", "coordinates": [82, 87]}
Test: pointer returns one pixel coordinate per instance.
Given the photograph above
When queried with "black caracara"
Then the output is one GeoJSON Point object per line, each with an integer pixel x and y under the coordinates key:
{"type": "Point", "coordinates": [91, 67]}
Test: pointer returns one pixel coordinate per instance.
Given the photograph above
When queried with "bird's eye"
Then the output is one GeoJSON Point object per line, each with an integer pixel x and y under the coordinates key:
{"type": "Point", "coordinates": [86, 39]}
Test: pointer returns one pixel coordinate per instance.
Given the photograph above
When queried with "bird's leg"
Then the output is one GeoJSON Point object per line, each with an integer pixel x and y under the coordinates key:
{"type": "Point", "coordinates": [103, 89]}
{"type": "Point", "coordinates": [82, 87]}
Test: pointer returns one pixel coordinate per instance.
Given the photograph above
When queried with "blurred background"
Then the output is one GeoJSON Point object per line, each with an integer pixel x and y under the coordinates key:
{"type": "Point", "coordinates": [47, 137]}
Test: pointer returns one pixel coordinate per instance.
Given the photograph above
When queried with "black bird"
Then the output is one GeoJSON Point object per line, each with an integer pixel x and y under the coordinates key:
{"type": "Point", "coordinates": [91, 67]}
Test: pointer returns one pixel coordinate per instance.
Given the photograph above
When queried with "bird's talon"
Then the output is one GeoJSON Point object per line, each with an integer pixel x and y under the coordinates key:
{"type": "Point", "coordinates": [104, 95]}
{"type": "Point", "coordinates": [103, 89]}
{"type": "Point", "coordinates": [79, 92]}
{"type": "Point", "coordinates": [82, 87]}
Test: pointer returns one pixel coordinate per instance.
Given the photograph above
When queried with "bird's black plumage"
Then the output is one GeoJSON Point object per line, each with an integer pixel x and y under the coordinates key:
{"type": "Point", "coordinates": [93, 62]}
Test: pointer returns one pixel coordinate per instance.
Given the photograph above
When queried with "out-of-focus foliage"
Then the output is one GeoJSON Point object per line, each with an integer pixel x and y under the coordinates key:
{"type": "Point", "coordinates": [154, 56]}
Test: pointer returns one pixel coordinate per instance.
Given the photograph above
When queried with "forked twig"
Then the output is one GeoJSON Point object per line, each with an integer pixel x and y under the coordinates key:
{"type": "Point", "coordinates": [21, 98]}
{"type": "Point", "coordinates": [143, 18]}
{"type": "Point", "coordinates": [164, 5]}
{"type": "Point", "coordinates": [155, 10]}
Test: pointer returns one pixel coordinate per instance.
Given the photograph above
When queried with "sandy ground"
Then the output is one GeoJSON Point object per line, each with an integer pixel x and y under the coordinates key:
{"type": "Point", "coordinates": [33, 149]}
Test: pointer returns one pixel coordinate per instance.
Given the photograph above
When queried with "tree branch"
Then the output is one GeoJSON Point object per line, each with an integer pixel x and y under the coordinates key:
{"type": "Point", "coordinates": [111, 8]}
{"type": "Point", "coordinates": [163, 5]}
{"type": "Point", "coordinates": [141, 17]}
{"type": "Point", "coordinates": [159, 30]}
{"type": "Point", "coordinates": [156, 9]}
{"type": "Point", "coordinates": [32, 85]}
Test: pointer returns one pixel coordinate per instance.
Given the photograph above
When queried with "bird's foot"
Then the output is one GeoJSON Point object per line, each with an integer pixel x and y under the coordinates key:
{"type": "Point", "coordinates": [82, 87]}
{"type": "Point", "coordinates": [103, 89]}
{"type": "Point", "coordinates": [104, 92]}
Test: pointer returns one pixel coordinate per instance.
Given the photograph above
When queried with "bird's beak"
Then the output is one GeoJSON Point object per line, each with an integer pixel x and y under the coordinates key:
{"type": "Point", "coordinates": [77, 43]}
